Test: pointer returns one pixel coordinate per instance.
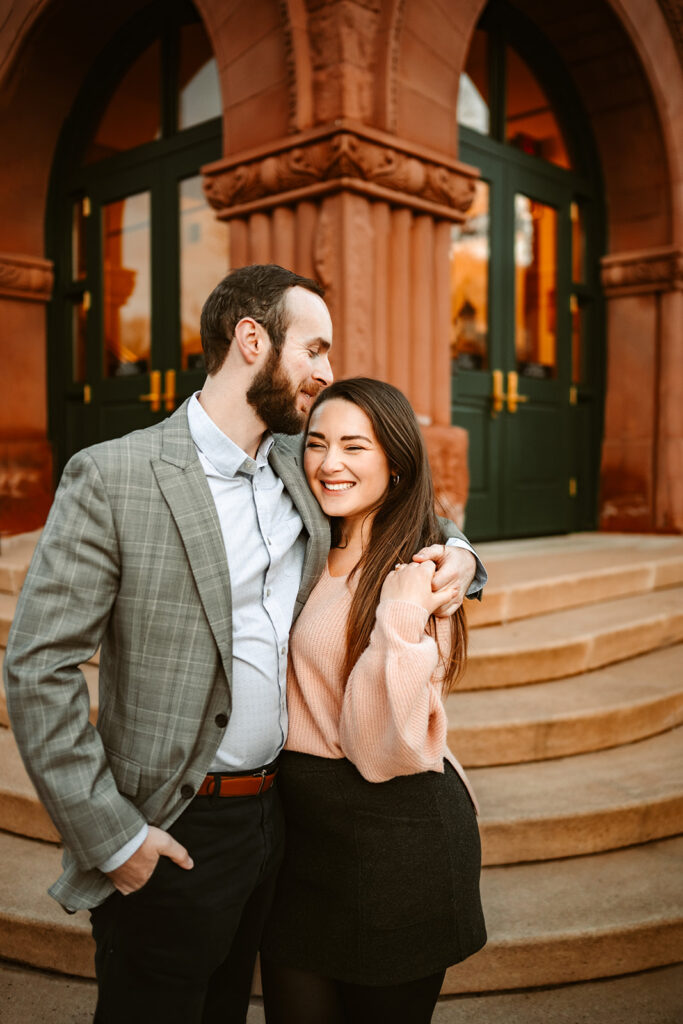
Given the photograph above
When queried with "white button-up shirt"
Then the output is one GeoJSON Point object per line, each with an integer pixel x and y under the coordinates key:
{"type": "Point", "coordinates": [264, 543]}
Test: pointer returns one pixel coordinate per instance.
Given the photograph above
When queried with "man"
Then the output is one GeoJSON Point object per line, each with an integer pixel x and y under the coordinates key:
{"type": "Point", "coordinates": [171, 825]}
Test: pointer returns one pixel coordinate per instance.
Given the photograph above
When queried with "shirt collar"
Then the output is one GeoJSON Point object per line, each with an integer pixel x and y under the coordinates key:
{"type": "Point", "coordinates": [225, 456]}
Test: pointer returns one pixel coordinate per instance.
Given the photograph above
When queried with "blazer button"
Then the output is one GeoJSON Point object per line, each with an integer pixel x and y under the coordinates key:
{"type": "Point", "coordinates": [221, 720]}
{"type": "Point", "coordinates": [186, 791]}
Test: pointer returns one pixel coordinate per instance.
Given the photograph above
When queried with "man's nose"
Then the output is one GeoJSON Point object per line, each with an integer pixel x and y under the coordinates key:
{"type": "Point", "coordinates": [323, 373]}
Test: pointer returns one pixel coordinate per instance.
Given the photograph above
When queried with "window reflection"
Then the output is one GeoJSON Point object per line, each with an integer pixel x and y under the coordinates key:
{"type": "Point", "coordinates": [133, 116]}
{"type": "Point", "coordinates": [578, 243]}
{"type": "Point", "coordinates": [199, 91]}
{"type": "Point", "coordinates": [473, 91]}
{"type": "Point", "coordinates": [470, 285]}
{"type": "Point", "coordinates": [78, 342]}
{"type": "Point", "coordinates": [531, 124]}
{"type": "Point", "coordinates": [204, 260]}
{"type": "Point", "coordinates": [127, 305]}
{"type": "Point", "coordinates": [577, 340]}
{"type": "Point", "coordinates": [535, 288]}
{"type": "Point", "coordinates": [78, 221]}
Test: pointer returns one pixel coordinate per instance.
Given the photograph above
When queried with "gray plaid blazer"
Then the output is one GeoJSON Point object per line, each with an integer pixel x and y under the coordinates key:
{"type": "Point", "coordinates": [131, 559]}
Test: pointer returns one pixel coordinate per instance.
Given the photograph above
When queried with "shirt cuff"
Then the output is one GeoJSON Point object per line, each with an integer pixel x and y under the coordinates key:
{"type": "Point", "coordinates": [127, 851]}
{"type": "Point", "coordinates": [480, 577]}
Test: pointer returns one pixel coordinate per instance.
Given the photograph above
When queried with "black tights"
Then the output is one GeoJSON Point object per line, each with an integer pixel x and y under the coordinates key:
{"type": "Point", "coordinates": [292, 996]}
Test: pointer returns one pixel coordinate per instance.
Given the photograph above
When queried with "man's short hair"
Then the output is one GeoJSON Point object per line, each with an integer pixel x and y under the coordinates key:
{"type": "Point", "coordinates": [258, 291]}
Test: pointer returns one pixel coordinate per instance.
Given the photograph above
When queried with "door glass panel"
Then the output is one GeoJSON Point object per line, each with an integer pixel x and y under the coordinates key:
{"type": "Point", "coordinates": [578, 243]}
{"type": "Point", "coordinates": [577, 340]}
{"type": "Point", "coordinates": [78, 241]}
{"type": "Point", "coordinates": [127, 286]}
{"type": "Point", "coordinates": [531, 124]}
{"type": "Point", "coordinates": [470, 285]}
{"type": "Point", "coordinates": [133, 115]}
{"type": "Point", "coordinates": [535, 288]}
{"type": "Point", "coordinates": [78, 342]}
{"type": "Point", "coordinates": [473, 91]}
{"type": "Point", "coordinates": [204, 260]}
{"type": "Point", "coordinates": [200, 97]}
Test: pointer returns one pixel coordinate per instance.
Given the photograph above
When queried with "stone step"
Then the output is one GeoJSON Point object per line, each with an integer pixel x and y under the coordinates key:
{"type": "Point", "coordinates": [90, 671]}
{"type": "Point", "coordinates": [573, 920]}
{"type": "Point", "coordinates": [15, 556]}
{"type": "Point", "coordinates": [526, 577]}
{"type": "Point", "coordinates": [8, 604]}
{"type": "Point", "coordinates": [576, 640]}
{"type": "Point", "coordinates": [621, 703]}
{"type": "Point", "coordinates": [584, 804]}
{"type": "Point", "coordinates": [549, 923]}
{"type": "Point", "coordinates": [561, 808]}
{"type": "Point", "coordinates": [544, 574]}
{"type": "Point", "coordinates": [649, 997]}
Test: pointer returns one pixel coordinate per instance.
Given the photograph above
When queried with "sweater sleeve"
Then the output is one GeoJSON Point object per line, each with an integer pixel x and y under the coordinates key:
{"type": "Point", "coordinates": [393, 721]}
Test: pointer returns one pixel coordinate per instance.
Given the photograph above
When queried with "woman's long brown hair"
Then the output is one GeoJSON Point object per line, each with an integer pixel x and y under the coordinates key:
{"type": "Point", "coordinates": [404, 522]}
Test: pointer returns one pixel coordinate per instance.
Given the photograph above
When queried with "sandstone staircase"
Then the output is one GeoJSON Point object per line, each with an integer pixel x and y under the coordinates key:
{"type": "Point", "coordinates": [570, 722]}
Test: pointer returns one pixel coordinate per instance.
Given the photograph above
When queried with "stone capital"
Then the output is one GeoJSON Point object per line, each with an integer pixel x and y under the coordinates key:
{"type": "Point", "coordinates": [25, 277]}
{"type": "Point", "coordinates": [650, 270]}
{"type": "Point", "coordinates": [336, 158]}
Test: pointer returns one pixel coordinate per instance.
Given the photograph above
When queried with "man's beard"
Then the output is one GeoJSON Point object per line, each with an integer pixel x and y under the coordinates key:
{"type": "Point", "coordinates": [273, 398]}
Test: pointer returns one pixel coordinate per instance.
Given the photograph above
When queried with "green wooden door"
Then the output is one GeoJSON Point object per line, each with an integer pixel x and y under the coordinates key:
{"type": "Point", "coordinates": [527, 333]}
{"type": "Point", "coordinates": [136, 247]}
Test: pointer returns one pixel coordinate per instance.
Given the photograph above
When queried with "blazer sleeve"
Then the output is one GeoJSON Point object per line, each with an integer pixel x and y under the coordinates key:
{"type": "Point", "coordinates": [393, 721]}
{"type": "Point", "coordinates": [61, 616]}
{"type": "Point", "coordinates": [451, 532]}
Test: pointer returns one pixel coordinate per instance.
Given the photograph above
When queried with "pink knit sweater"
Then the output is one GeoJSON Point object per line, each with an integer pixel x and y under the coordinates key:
{"type": "Point", "coordinates": [389, 718]}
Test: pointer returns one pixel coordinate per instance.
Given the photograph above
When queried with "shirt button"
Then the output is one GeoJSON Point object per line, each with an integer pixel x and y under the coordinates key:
{"type": "Point", "coordinates": [269, 540]}
{"type": "Point", "coordinates": [221, 720]}
{"type": "Point", "coordinates": [283, 650]}
{"type": "Point", "coordinates": [268, 592]}
{"type": "Point", "coordinates": [186, 791]}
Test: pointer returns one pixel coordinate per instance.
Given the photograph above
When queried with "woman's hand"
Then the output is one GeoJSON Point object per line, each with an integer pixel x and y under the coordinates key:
{"type": "Point", "coordinates": [412, 582]}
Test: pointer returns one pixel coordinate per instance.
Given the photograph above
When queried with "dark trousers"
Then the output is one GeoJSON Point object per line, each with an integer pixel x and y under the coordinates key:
{"type": "Point", "coordinates": [182, 949]}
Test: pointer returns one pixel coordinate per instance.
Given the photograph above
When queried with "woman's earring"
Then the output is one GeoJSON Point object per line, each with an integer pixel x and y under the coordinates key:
{"type": "Point", "coordinates": [395, 479]}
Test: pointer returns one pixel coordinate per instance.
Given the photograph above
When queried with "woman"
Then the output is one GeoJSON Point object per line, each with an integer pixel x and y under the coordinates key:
{"type": "Point", "coordinates": [379, 891]}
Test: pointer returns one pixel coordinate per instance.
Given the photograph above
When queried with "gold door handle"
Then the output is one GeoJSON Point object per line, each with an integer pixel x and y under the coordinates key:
{"type": "Point", "coordinates": [498, 396]}
{"type": "Point", "coordinates": [513, 395]}
{"type": "Point", "coordinates": [169, 390]}
{"type": "Point", "coordinates": [154, 396]}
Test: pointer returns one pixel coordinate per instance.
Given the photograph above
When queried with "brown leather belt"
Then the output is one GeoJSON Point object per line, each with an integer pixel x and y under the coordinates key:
{"type": "Point", "coordinates": [238, 785]}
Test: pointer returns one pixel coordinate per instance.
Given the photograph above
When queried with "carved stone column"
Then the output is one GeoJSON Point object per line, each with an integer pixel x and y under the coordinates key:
{"type": "Point", "coordinates": [25, 453]}
{"type": "Point", "coordinates": [369, 216]}
{"type": "Point", "coordinates": [642, 465]}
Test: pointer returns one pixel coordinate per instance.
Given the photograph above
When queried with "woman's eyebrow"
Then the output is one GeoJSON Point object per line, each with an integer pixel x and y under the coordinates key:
{"type": "Point", "coordinates": [356, 437]}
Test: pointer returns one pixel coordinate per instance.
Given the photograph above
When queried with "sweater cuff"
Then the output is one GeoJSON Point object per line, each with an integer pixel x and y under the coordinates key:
{"type": "Point", "coordinates": [404, 619]}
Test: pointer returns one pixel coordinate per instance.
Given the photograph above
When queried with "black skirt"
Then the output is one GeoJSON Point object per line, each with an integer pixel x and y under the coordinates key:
{"type": "Point", "coordinates": [380, 882]}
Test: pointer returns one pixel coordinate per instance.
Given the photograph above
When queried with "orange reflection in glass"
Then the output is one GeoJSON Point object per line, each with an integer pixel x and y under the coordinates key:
{"type": "Point", "coordinates": [127, 292]}
{"type": "Point", "coordinates": [531, 124]}
{"type": "Point", "coordinates": [577, 339]}
{"type": "Point", "coordinates": [470, 285]}
{"type": "Point", "coordinates": [204, 260]}
{"type": "Point", "coordinates": [200, 97]}
{"type": "Point", "coordinates": [473, 91]}
{"type": "Point", "coordinates": [535, 288]}
{"type": "Point", "coordinates": [78, 342]}
{"type": "Point", "coordinates": [78, 241]}
{"type": "Point", "coordinates": [578, 243]}
{"type": "Point", "coordinates": [133, 115]}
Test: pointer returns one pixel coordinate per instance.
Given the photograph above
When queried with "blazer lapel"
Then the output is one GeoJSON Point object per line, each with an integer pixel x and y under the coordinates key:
{"type": "Point", "coordinates": [285, 458]}
{"type": "Point", "coordinates": [183, 483]}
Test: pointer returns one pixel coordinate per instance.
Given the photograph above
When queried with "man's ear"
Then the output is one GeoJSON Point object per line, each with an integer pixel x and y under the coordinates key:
{"type": "Point", "coordinates": [250, 340]}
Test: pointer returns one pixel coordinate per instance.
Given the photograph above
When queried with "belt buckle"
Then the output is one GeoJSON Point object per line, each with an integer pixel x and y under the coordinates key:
{"type": "Point", "coordinates": [262, 773]}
